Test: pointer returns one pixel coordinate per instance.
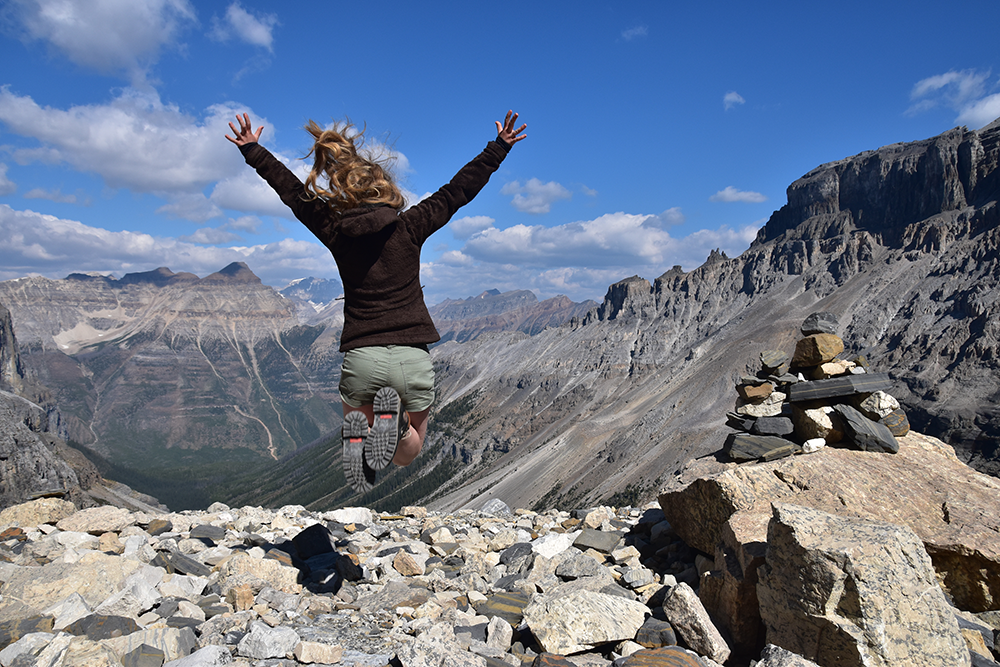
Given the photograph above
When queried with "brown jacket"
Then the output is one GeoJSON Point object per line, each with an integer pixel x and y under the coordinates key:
{"type": "Point", "coordinates": [377, 249]}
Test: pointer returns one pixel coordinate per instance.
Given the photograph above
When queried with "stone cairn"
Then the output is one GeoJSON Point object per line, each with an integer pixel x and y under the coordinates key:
{"type": "Point", "coordinates": [814, 398]}
{"type": "Point", "coordinates": [254, 587]}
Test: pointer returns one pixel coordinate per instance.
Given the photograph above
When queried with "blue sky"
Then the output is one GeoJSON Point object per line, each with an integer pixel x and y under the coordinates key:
{"type": "Point", "coordinates": [657, 131]}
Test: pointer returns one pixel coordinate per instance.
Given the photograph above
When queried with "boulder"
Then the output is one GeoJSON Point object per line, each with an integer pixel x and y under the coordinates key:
{"type": "Point", "coordinates": [852, 593]}
{"type": "Point", "coordinates": [816, 349]}
{"type": "Point", "coordinates": [952, 508]}
{"type": "Point", "coordinates": [580, 620]}
{"type": "Point", "coordinates": [863, 433]}
{"type": "Point", "coordinates": [821, 322]}
{"type": "Point", "coordinates": [689, 618]}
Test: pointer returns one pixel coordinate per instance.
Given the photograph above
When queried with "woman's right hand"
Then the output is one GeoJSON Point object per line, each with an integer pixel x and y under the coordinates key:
{"type": "Point", "coordinates": [245, 135]}
{"type": "Point", "coordinates": [507, 132]}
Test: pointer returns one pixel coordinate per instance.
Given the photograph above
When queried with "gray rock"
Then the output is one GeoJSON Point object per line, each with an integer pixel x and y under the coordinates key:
{"type": "Point", "coordinates": [599, 540]}
{"type": "Point", "coordinates": [864, 434]}
{"type": "Point", "coordinates": [821, 322]}
{"type": "Point", "coordinates": [846, 385]}
{"type": "Point", "coordinates": [497, 507]}
{"type": "Point", "coordinates": [210, 656]}
{"type": "Point", "coordinates": [263, 642]}
{"type": "Point", "coordinates": [853, 593]}
{"type": "Point", "coordinates": [775, 656]}
{"type": "Point", "coordinates": [747, 447]}
{"type": "Point", "coordinates": [779, 426]}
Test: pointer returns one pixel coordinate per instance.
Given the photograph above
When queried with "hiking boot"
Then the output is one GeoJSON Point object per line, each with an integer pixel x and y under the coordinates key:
{"type": "Point", "coordinates": [354, 435]}
{"type": "Point", "coordinates": [391, 425]}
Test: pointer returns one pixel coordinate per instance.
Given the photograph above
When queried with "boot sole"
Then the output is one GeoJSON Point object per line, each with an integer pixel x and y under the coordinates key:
{"type": "Point", "coordinates": [384, 436]}
{"type": "Point", "coordinates": [354, 436]}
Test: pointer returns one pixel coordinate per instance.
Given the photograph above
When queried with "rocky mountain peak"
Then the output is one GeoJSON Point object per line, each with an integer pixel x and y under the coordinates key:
{"type": "Point", "coordinates": [236, 273]}
{"type": "Point", "coordinates": [159, 277]}
{"type": "Point", "coordinates": [883, 191]}
{"type": "Point", "coordinates": [11, 370]}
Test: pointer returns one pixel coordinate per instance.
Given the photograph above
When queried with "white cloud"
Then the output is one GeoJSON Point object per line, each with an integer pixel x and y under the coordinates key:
{"type": "Point", "coordinates": [56, 196]}
{"type": "Point", "coordinates": [210, 236]}
{"type": "Point", "coordinates": [633, 33]}
{"type": "Point", "coordinates": [731, 194]}
{"type": "Point", "coordinates": [672, 216]}
{"type": "Point", "coordinates": [245, 223]}
{"type": "Point", "coordinates": [252, 29]}
{"type": "Point", "coordinates": [731, 99]}
{"type": "Point", "coordinates": [965, 92]}
{"type": "Point", "coordinates": [463, 228]}
{"type": "Point", "coordinates": [534, 196]}
{"type": "Point", "coordinates": [590, 192]}
{"type": "Point", "coordinates": [7, 186]}
{"type": "Point", "coordinates": [195, 207]}
{"type": "Point", "coordinates": [49, 246]}
{"type": "Point", "coordinates": [980, 113]}
{"type": "Point", "coordinates": [106, 35]}
{"type": "Point", "coordinates": [135, 141]}
{"type": "Point", "coordinates": [592, 256]}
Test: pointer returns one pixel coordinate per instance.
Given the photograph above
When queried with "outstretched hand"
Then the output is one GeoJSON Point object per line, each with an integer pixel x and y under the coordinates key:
{"type": "Point", "coordinates": [507, 132]}
{"type": "Point", "coordinates": [245, 135]}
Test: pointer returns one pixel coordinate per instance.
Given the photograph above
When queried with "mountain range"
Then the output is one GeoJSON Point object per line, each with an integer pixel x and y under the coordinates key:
{"type": "Point", "coordinates": [169, 378]}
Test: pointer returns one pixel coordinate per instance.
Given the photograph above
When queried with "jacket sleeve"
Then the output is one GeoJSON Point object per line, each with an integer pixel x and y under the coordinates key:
{"type": "Point", "coordinates": [434, 212]}
{"type": "Point", "coordinates": [313, 213]}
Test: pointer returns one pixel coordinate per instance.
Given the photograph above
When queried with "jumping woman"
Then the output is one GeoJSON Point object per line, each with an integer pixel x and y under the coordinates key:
{"type": "Point", "coordinates": [350, 202]}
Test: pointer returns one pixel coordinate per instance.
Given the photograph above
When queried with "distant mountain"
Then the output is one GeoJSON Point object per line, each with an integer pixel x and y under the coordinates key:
{"type": "Point", "coordinates": [491, 311]}
{"type": "Point", "coordinates": [319, 300]}
{"type": "Point", "coordinates": [174, 378]}
{"type": "Point", "coordinates": [35, 461]}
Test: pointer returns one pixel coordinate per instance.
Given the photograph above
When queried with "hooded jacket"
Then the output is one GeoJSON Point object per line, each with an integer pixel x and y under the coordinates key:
{"type": "Point", "coordinates": [377, 249]}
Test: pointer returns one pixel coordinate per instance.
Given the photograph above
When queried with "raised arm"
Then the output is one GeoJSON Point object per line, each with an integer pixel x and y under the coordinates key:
{"type": "Point", "coordinates": [246, 135]}
{"type": "Point", "coordinates": [506, 131]}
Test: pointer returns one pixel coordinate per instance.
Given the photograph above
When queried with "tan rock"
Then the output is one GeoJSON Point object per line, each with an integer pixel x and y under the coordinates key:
{"type": "Point", "coordinates": [691, 622]}
{"type": "Point", "coordinates": [768, 407]}
{"type": "Point", "coordinates": [109, 543]}
{"type": "Point", "coordinates": [95, 576]}
{"type": "Point", "coordinates": [831, 369]}
{"type": "Point", "coordinates": [312, 652]}
{"type": "Point", "coordinates": [876, 405]}
{"type": "Point", "coordinates": [242, 568]}
{"type": "Point", "coordinates": [97, 520]}
{"type": "Point", "coordinates": [816, 349]}
{"type": "Point", "coordinates": [854, 593]}
{"type": "Point", "coordinates": [952, 508]}
{"type": "Point", "coordinates": [241, 597]}
{"type": "Point", "coordinates": [579, 620]}
{"type": "Point", "coordinates": [817, 422]}
{"type": "Point", "coordinates": [406, 565]}
{"type": "Point", "coordinates": [750, 392]}
{"type": "Point", "coordinates": [37, 512]}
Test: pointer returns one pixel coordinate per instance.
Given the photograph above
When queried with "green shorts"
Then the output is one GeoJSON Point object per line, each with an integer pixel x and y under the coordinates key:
{"type": "Point", "coordinates": [406, 369]}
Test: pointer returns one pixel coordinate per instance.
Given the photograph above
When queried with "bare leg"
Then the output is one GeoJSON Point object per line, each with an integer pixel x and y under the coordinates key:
{"type": "Point", "coordinates": [409, 447]}
{"type": "Point", "coordinates": [368, 411]}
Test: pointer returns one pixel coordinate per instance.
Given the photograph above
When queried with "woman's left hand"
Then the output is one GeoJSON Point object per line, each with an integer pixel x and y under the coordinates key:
{"type": "Point", "coordinates": [507, 133]}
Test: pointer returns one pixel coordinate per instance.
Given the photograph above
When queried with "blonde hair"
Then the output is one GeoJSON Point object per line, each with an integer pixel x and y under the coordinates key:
{"type": "Point", "coordinates": [353, 180]}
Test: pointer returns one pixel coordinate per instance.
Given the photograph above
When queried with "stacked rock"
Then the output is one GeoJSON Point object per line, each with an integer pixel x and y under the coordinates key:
{"type": "Point", "coordinates": [814, 398]}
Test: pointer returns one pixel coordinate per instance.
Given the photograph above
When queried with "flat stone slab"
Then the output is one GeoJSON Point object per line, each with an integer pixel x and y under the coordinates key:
{"type": "Point", "coordinates": [599, 540]}
{"type": "Point", "coordinates": [748, 447]}
{"type": "Point", "coordinates": [846, 385]}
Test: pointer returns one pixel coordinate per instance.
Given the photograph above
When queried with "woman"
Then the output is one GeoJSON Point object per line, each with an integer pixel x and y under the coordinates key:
{"type": "Point", "coordinates": [350, 202]}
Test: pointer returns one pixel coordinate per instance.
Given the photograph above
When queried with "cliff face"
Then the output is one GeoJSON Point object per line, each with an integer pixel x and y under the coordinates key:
{"type": "Point", "coordinates": [900, 243]}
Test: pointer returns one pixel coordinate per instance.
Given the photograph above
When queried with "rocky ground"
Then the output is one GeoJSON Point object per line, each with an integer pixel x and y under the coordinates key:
{"type": "Point", "coordinates": [475, 588]}
{"type": "Point", "coordinates": [258, 587]}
